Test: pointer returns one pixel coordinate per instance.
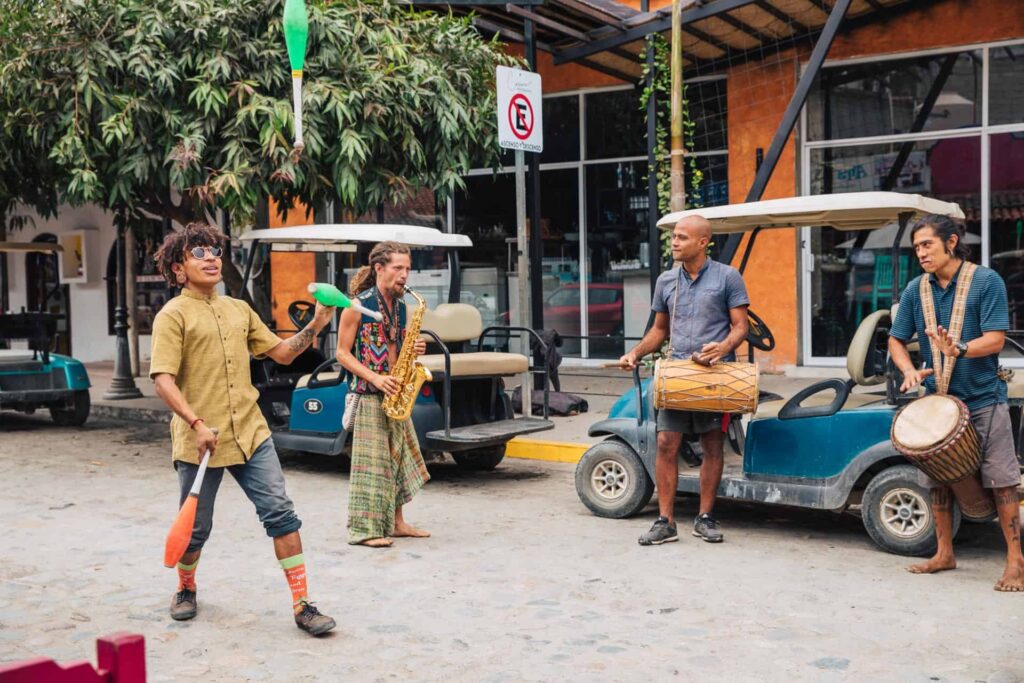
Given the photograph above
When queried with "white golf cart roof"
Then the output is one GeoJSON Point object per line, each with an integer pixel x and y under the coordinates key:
{"type": "Point", "coordinates": [346, 237]}
{"type": "Point", "coordinates": [847, 211]}
{"type": "Point", "coordinates": [43, 247]}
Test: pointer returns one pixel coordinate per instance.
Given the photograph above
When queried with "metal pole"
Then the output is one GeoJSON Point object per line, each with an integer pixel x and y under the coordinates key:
{"type": "Point", "coordinates": [522, 265]}
{"type": "Point", "coordinates": [130, 297]}
{"type": "Point", "coordinates": [535, 236]}
{"type": "Point", "coordinates": [653, 235]}
{"type": "Point", "coordinates": [122, 384]}
{"type": "Point", "coordinates": [678, 177]}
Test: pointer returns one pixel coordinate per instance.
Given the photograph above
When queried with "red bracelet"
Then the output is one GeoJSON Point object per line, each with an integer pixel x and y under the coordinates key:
{"type": "Point", "coordinates": [192, 424]}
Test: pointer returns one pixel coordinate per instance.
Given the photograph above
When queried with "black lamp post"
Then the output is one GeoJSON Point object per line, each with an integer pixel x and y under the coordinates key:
{"type": "Point", "coordinates": [122, 385]}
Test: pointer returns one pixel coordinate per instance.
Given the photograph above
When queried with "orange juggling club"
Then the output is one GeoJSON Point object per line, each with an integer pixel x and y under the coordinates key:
{"type": "Point", "coordinates": [181, 530]}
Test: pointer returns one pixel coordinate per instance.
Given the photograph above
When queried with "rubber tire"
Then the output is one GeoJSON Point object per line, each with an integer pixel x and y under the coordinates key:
{"type": "Point", "coordinates": [639, 485]}
{"type": "Point", "coordinates": [73, 417]}
{"type": "Point", "coordinates": [480, 459]}
{"type": "Point", "coordinates": [899, 476]}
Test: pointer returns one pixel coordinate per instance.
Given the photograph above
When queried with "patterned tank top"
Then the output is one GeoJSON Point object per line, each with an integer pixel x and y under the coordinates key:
{"type": "Point", "coordinates": [371, 343]}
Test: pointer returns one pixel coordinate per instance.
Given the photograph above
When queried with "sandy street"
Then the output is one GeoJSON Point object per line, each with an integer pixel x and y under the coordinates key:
{"type": "Point", "coordinates": [518, 583]}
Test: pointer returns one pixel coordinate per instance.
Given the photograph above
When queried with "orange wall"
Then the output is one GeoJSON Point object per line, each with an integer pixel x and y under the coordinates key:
{"type": "Point", "coordinates": [565, 76]}
{"type": "Point", "coordinates": [289, 273]}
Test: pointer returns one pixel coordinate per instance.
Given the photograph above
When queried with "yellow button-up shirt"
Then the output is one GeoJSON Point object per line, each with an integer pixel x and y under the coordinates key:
{"type": "Point", "coordinates": [205, 342]}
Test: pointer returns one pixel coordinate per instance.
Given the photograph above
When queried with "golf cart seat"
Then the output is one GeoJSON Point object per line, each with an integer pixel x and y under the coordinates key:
{"type": "Point", "coordinates": [865, 363]}
{"type": "Point", "coordinates": [457, 324]}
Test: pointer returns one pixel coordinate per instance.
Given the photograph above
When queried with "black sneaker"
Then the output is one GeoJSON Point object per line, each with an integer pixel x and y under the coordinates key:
{"type": "Point", "coordinates": [183, 605]}
{"type": "Point", "coordinates": [705, 526]}
{"type": "Point", "coordinates": [312, 622]}
{"type": "Point", "coordinates": [661, 532]}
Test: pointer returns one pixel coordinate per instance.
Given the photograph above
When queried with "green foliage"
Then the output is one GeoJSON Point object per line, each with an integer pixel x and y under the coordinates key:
{"type": "Point", "coordinates": [172, 107]}
{"type": "Point", "coordinates": [661, 88]}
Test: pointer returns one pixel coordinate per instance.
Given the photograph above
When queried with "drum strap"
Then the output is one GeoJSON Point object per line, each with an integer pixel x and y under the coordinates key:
{"type": "Point", "coordinates": [943, 365]}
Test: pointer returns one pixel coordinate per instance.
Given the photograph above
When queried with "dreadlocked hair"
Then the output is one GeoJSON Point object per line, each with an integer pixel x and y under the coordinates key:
{"type": "Point", "coordinates": [177, 243]}
{"type": "Point", "coordinates": [366, 276]}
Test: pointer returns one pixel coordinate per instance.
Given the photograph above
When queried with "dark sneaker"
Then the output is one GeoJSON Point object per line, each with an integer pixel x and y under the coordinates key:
{"type": "Point", "coordinates": [706, 527]}
{"type": "Point", "coordinates": [183, 605]}
{"type": "Point", "coordinates": [661, 532]}
{"type": "Point", "coordinates": [312, 622]}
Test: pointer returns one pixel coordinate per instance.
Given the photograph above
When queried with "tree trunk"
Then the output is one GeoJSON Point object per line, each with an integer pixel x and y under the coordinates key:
{"type": "Point", "coordinates": [130, 268]}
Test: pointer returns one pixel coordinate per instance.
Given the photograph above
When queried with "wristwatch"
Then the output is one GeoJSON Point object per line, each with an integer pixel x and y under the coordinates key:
{"type": "Point", "coordinates": [961, 348]}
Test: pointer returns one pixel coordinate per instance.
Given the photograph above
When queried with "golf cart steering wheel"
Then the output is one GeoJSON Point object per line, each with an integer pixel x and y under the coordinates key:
{"type": "Point", "coordinates": [759, 336]}
{"type": "Point", "coordinates": [301, 313]}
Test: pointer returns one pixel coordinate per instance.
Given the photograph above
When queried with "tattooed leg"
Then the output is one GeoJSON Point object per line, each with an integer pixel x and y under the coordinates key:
{"type": "Point", "coordinates": [942, 511]}
{"type": "Point", "coordinates": [1008, 505]}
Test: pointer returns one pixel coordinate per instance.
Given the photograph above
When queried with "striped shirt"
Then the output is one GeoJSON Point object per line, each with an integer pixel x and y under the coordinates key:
{"type": "Point", "coordinates": [974, 379]}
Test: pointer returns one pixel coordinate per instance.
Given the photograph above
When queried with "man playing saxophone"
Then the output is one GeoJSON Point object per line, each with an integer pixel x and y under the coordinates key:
{"type": "Point", "coordinates": [387, 466]}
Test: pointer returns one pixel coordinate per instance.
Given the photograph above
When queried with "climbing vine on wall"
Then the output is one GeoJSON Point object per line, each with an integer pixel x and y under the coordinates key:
{"type": "Point", "coordinates": [661, 88]}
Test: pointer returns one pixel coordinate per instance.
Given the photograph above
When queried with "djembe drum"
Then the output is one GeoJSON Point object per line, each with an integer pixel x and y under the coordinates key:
{"type": "Point", "coordinates": [935, 434]}
{"type": "Point", "coordinates": [725, 387]}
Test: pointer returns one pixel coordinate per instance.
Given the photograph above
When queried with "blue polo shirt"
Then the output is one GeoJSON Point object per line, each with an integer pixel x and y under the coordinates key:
{"type": "Point", "coordinates": [974, 380]}
{"type": "Point", "coordinates": [702, 308]}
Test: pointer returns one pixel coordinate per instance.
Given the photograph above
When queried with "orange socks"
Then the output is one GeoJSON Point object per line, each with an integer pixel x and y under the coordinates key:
{"type": "Point", "coordinates": [295, 571]}
{"type": "Point", "coordinates": [187, 576]}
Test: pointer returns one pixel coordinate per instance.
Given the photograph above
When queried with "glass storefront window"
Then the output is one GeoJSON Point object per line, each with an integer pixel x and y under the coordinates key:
{"type": "Point", "coordinates": [561, 129]}
{"type": "Point", "coordinates": [1006, 218]}
{"type": "Point", "coordinates": [849, 281]}
{"type": "Point", "coordinates": [707, 105]}
{"type": "Point", "coordinates": [616, 125]}
{"type": "Point", "coordinates": [618, 257]}
{"type": "Point", "coordinates": [885, 98]}
{"type": "Point", "coordinates": [1006, 85]}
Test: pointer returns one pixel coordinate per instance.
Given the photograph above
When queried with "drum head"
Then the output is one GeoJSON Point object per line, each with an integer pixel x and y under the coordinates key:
{"type": "Point", "coordinates": [927, 422]}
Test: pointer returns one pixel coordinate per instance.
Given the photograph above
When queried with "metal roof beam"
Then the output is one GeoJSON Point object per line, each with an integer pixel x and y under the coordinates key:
{"type": "Point", "coordinates": [643, 30]}
{"type": "Point", "coordinates": [771, 9]}
{"type": "Point", "coordinates": [744, 27]}
{"type": "Point", "coordinates": [706, 38]}
{"type": "Point", "coordinates": [550, 23]}
{"type": "Point", "coordinates": [595, 13]}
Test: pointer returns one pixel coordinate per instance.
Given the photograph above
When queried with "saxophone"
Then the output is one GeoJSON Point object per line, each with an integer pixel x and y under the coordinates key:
{"type": "Point", "coordinates": [407, 370]}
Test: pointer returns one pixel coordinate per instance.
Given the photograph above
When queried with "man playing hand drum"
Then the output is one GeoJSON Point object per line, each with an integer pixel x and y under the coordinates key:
{"type": "Point", "coordinates": [701, 306]}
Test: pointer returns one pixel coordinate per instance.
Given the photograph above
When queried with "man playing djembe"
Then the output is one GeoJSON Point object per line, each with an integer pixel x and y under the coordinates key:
{"type": "Point", "coordinates": [940, 248]}
{"type": "Point", "coordinates": [701, 306]}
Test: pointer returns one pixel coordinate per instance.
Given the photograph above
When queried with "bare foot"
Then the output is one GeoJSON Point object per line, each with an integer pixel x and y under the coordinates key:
{"type": "Point", "coordinates": [407, 530]}
{"type": "Point", "coordinates": [381, 542]}
{"type": "Point", "coordinates": [1012, 580]}
{"type": "Point", "coordinates": [939, 563]}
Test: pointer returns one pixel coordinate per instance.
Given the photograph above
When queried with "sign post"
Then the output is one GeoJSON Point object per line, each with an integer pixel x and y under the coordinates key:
{"type": "Point", "coordinates": [520, 128]}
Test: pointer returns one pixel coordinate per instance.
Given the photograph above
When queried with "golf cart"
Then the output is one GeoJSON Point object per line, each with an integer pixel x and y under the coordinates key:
{"type": "Point", "coordinates": [33, 377]}
{"type": "Point", "coordinates": [463, 410]}
{"type": "Point", "coordinates": [825, 448]}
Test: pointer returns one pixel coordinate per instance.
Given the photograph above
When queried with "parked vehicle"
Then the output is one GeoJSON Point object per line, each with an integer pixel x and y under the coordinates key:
{"type": "Point", "coordinates": [33, 378]}
{"type": "Point", "coordinates": [463, 411]}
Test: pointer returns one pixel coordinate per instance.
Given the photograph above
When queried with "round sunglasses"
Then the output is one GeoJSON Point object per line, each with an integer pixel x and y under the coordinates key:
{"type": "Point", "coordinates": [200, 252]}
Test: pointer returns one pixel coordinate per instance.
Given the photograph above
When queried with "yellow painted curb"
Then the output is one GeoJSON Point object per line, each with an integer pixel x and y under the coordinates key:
{"type": "Point", "coordinates": [552, 451]}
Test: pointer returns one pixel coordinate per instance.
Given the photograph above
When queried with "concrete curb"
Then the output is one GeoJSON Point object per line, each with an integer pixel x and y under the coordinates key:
{"type": "Point", "coordinates": [130, 414]}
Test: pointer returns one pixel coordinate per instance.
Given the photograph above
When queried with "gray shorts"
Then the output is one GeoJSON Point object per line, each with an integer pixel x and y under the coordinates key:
{"type": "Point", "coordinates": [688, 422]}
{"type": "Point", "coordinates": [999, 465]}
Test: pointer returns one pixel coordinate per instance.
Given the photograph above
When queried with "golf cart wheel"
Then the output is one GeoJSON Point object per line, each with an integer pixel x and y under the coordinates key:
{"type": "Point", "coordinates": [76, 415]}
{"type": "Point", "coordinates": [897, 514]}
{"type": "Point", "coordinates": [612, 481]}
{"type": "Point", "coordinates": [480, 459]}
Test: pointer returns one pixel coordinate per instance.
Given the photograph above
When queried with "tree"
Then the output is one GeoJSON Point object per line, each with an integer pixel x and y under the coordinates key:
{"type": "Point", "coordinates": [172, 107]}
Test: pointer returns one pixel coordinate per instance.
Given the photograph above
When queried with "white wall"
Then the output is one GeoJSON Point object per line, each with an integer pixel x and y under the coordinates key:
{"type": "Point", "coordinates": [88, 301]}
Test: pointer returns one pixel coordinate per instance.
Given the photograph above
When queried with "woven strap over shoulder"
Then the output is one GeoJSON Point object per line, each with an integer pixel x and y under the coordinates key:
{"type": "Point", "coordinates": [943, 365]}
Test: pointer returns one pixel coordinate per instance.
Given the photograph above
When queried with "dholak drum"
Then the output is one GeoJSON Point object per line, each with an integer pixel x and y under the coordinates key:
{"type": "Point", "coordinates": [724, 387]}
{"type": "Point", "coordinates": [935, 433]}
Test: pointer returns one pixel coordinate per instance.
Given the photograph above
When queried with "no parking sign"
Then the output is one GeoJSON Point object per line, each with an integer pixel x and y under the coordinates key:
{"type": "Point", "coordinates": [520, 112]}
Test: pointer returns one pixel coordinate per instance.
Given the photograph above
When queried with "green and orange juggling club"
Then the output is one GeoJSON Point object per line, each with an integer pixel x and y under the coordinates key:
{"type": "Point", "coordinates": [181, 529]}
{"type": "Point", "coordinates": [296, 33]}
{"type": "Point", "coordinates": [329, 295]}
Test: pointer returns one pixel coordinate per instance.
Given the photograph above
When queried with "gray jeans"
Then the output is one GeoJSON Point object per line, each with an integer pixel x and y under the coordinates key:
{"type": "Point", "coordinates": [262, 481]}
{"type": "Point", "coordinates": [999, 465]}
